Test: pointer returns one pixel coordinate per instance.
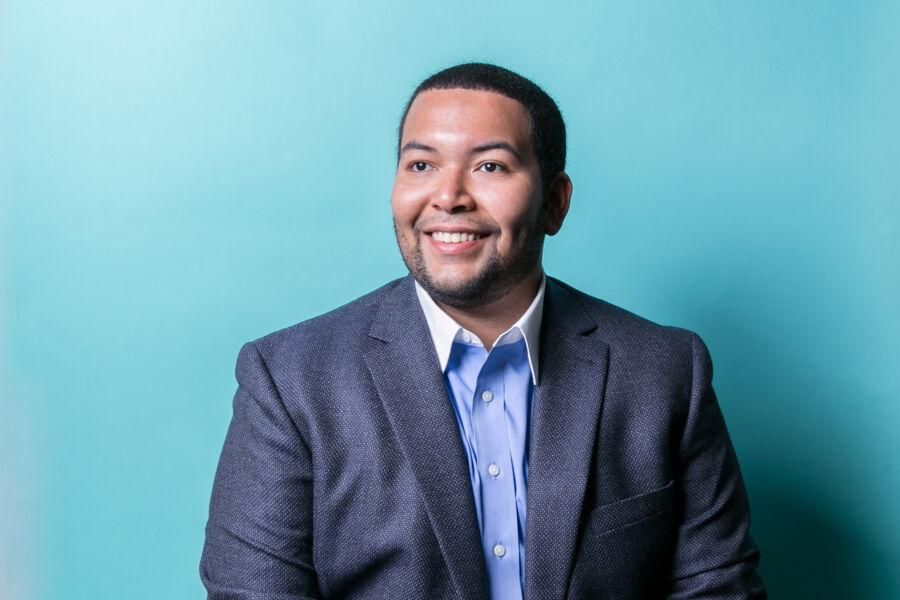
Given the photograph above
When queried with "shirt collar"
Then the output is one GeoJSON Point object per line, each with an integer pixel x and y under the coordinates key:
{"type": "Point", "coordinates": [445, 331]}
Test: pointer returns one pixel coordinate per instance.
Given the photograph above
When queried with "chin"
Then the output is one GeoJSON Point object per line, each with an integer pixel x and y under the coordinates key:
{"type": "Point", "coordinates": [461, 292]}
{"type": "Point", "coordinates": [449, 282]}
{"type": "Point", "coordinates": [461, 288]}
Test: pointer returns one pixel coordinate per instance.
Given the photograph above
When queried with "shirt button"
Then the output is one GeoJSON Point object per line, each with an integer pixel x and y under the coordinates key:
{"type": "Point", "coordinates": [499, 551]}
{"type": "Point", "coordinates": [466, 337]}
{"type": "Point", "coordinates": [487, 396]}
{"type": "Point", "coordinates": [494, 470]}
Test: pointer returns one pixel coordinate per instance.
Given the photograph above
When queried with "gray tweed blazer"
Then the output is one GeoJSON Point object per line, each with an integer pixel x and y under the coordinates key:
{"type": "Point", "coordinates": [343, 474]}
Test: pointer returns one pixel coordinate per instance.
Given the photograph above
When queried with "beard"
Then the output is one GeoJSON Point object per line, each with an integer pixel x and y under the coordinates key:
{"type": "Point", "coordinates": [494, 280]}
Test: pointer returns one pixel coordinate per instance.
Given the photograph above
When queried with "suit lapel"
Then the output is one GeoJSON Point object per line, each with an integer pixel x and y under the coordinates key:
{"type": "Point", "coordinates": [564, 421]}
{"type": "Point", "coordinates": [404, 367]}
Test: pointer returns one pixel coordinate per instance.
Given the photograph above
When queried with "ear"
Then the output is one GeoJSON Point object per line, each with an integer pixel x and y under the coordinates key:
{"type": "Point", "coordinates": [558, 202]}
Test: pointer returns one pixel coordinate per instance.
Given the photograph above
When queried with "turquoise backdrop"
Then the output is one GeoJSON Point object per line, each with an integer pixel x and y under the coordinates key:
{"type": "Point", "coordinates": [177, 178]}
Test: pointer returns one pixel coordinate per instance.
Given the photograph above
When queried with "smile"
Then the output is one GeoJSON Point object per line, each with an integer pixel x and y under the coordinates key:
{"type": "Point", "coordinates": [455, 237]}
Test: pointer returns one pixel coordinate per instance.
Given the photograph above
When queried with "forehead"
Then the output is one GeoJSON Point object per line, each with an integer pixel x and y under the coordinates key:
{"type": "Point", "coordinates": [459, 115]}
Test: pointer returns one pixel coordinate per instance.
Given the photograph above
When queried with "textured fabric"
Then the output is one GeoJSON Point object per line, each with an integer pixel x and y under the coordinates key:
{"type": "Point", "coordinates": [343, 474]}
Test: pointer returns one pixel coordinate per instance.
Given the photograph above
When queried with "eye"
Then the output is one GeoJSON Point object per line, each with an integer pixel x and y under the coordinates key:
{"type": "Point", "coordinates": [419, 166]}
{"type": "Point", "coordinates": [491, 167]}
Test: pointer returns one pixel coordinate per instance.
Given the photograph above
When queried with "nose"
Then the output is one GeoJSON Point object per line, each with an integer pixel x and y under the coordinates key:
{"type": "Point", "coordinates": [451, 194]}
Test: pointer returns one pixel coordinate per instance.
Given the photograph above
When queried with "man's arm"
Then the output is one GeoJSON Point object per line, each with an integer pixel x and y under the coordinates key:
{"type": "Point", "coordinates": [715, 558]}
{"type": "Point", "coordinates": [259, 533]}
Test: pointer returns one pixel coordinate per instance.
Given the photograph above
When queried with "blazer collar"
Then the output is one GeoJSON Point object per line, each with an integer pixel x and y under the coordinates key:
{"type": "Point", "coordinates": [565, 417]}
{"type": "Point", "coordinates": [404, 367]}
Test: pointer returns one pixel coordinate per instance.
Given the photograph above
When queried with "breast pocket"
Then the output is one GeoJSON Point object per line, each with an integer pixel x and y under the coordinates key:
{"type": "Point", "coordinates": [608, 517]}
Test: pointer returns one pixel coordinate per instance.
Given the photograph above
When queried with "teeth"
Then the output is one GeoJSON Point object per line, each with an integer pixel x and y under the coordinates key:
{"type": "Point", "coordinates": [447, 237]}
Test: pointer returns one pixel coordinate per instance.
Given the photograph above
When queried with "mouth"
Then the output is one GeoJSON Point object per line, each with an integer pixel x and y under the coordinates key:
{"type": "Point", "coordinates": [454, 242]}
{"type": "Point", "coordinates": [454, 237]}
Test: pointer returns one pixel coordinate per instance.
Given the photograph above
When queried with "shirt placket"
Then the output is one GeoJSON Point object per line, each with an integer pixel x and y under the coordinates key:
{"type": "Point", "coordinates": [499, 535]}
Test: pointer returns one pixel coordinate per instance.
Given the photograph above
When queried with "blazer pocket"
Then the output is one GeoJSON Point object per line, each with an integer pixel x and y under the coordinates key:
{"type": "Point", "coordinates": [630, 510]}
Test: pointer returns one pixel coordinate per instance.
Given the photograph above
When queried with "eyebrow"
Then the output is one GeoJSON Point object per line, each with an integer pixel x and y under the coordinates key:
{"type": "Point", "coordinates": [497, 146]}
{"type": "Point", "coordinates": [413, 145]}
{"type": "Point", "coordinates": [416, 146]}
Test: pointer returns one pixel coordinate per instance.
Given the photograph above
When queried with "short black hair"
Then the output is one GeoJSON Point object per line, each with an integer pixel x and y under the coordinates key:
{"type": "Point", "coordinates": [548, 130]}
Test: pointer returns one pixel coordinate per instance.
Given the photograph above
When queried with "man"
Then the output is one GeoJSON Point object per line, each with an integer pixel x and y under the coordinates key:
{"type": "Point", "coordinates": [478, 430]}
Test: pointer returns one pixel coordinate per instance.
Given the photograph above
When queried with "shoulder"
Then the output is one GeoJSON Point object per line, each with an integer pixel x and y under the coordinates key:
{"type": "Point", "coordinates": [337, 334]}
{"type": "Point", "coordinates": [636, 340]}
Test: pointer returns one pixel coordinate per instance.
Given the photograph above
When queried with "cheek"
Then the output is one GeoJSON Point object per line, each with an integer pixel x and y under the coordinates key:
{"type": "Point", "coordinates": [402, 209]}
{"type": "Point", "coordinates": [406, 203]}
{"type": "Point", "coordinates": [516, 215]}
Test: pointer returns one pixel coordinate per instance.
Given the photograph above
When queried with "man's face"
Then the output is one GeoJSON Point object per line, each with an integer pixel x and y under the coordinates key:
{"type": "Point", "coordinates": [467, 198]}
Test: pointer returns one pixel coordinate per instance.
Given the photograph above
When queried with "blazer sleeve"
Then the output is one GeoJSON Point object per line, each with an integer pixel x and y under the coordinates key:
{"type": "Point", "coordinates": [715, 557]}
{"type": "Point", "coordinates": [259, 533]}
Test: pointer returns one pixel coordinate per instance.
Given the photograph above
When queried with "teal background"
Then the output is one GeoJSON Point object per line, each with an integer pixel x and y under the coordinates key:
{"type": "Point", "coordinates": [177, 178]}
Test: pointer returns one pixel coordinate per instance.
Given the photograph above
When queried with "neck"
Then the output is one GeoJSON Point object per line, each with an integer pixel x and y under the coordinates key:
{"type": "Point", "coordinates": [488, 321]}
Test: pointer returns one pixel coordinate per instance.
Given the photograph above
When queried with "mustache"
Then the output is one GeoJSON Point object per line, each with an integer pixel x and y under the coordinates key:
{"type": "Point", "coordinates": [463, 222]}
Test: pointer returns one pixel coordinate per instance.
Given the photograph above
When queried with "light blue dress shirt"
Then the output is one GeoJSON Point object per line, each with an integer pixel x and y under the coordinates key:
{"type": "Point", "coordinates": [491, 394]}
